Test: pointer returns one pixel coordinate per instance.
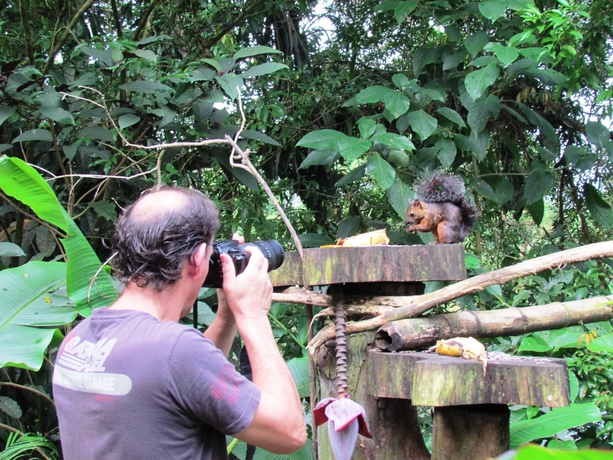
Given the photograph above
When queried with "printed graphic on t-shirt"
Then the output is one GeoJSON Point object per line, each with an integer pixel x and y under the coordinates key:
{"type": "Point", "coordinates": [81, 367]}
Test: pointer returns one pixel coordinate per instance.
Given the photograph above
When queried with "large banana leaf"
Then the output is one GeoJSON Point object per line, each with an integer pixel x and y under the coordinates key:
{"type": "Point", "coordinates": [21, 286]}
{"type": "Point", "coordinates": [559, 419]}
{"type": "Point", "coordinates": [22, 290]}
{"type": "Point", "coordinates": [24, 346]}
{"type": "Point", "coordinates": [85, 283]}
{"type": "Point", "coordinates": [88, 285]}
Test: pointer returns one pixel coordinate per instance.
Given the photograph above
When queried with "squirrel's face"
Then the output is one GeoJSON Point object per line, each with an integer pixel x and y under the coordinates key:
{"type": "Point", "coordinates": [413, 212]}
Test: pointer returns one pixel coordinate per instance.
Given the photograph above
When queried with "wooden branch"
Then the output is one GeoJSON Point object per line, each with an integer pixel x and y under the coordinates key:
{"type": "Point", "coordinates": [415, 333]}
{"type": "Point", "coordinates": [412, 306]}
{"type": "Point", "coordinates": [303, 296]}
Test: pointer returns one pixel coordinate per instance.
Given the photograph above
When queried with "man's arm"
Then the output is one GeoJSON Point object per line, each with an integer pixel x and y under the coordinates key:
{"type": "Point", "coordinates": [278, 425]}
{"type": "Point", "coordinates": [223, 328]}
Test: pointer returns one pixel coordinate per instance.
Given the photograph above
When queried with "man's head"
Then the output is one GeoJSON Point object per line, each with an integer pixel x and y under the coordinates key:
{"type": "Point", "coordinates": [159, 232]}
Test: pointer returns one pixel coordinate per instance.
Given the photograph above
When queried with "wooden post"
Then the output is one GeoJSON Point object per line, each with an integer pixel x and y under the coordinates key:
{"type": "Point", "coordinates": [485, 425]}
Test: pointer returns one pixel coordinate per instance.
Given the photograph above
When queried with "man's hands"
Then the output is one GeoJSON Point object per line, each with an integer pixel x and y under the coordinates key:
{"type": "Point", "coordinates": [248, 294]}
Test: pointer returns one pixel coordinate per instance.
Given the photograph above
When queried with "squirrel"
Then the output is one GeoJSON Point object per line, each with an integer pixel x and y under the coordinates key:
{"type": "Point", "coordinates": [441, 208]}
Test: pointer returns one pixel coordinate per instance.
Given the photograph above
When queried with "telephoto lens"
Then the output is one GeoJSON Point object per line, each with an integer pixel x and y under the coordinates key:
{"type": "Point", "coordinates": [272, 250]}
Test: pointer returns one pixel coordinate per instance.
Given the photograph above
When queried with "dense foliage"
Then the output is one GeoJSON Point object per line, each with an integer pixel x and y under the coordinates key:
{"type": "Point", "coordinates": [346, 105]}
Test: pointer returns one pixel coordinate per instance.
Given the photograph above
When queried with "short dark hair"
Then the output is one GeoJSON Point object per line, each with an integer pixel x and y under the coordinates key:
{"type": "Point", "coordinates": [152, 250]}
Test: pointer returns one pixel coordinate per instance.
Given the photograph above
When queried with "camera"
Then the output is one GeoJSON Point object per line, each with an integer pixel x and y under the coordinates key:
{"type": "Point", "coordinates": [271, 249]}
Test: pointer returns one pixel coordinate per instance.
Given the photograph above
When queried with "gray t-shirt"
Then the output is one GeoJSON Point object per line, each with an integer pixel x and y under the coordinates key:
{"type": "Point", "coordinates": [128, 386]}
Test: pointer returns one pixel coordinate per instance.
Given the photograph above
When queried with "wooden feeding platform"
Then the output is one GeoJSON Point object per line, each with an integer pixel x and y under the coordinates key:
{"type": "Point", "coordinates": [372, 264]}
{"type": "Point", "coordinates": [470, 407]}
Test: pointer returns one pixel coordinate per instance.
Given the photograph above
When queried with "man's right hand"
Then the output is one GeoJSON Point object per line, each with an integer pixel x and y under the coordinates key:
{"type": "Point", "coordinates": [249, 294]}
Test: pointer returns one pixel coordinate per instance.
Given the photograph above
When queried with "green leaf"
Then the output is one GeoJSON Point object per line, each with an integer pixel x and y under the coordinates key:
{"type": "Point", "coordinates": [349, 226]}
{"type": "Point", "coordinates": [479, 143]}
{"type": "Point", "coordinates": [475, 42]}
{"type": "Point", "coordinates": [451, 61]}
{"type": "Point", "coordinates": [580, 158]}
{"type": "Point", "coordinates": [381, 170]}
{"type": "Point", "coordinates": [6, 112]}
{"type": "Point", "coordinates": [537, 211]}
{"type": "Point", "coordinates": [401, 81]}
{"type": "Point", "coordinates": [146, 86]}
{"type": "Point", "coordinates": [320, 158]}
{"type": "Point", "coordinates": [538, 183]}
{"type": "Point", "coordinates": [534, 452]}
{"type": "Point", "coordinates": [534, 343]}
{"type": "Point", "coordinates": [478, 81]}
{"type": "Point", "coordinates": [10, 407]}
{"type": "Point", "coordinates": [397, 103]}
{"type": "Point", "coordinates": [58, 114]}
{"type": "Point", "coordinates": [367, 127]}
{"type": "Point", "coordinates": [447, 151]}
{"type": "Point", "coordinates": [128, 120]}
{"type": "Point", "coordinates": [10, 250]}
{"type": "Point", "coordinates": [492, 9]}
{"type": "Point", "coordinates": [213, 63]}
{"type": "Point", "coordinates": [20, 286]}
{"type": "Point", "coordinates": [263, 69]}
{"type": "Point", "coordinates": [395, 141]}
{"type": "Point", "coordinates": [105, 57]}
{"type": "Point", "coordinates": [422, 123]}
{"type": "Point", "coordinates": [604, 343]}
{"type": "Point", "coordinates": [258, 136]}
{"type": "Point", "coordinates": [254, 51]}
{"type": "Point", "coordinates": [558, 419]}
{"type": "Point", "coordinates": [147, 55]}
{"type": "Point", "coordinates": [313, 240]}
{"type": "Point", "coordinates": [97, 132]}
{"type": "Point", "coordinates": [353, 175]}
{"type": "Point", "coordinates": [328, 139]}
{"type": "Point", "coordinates": [48, 310]}
{"type": "Point", "coordinates": [230, 83]}
{"type": "Point", "coordinates": [547, 76]}
{"type": "Point", "coordinates": [21, 181]}
{"type": "Point", "coordinates": [88, 284]}
{"type": "Point", "coordinates": [403, 10]}
{"type": "Point", "coordinates": [299, 367]}
{"type": "Point", "coordinates": [550, 137]}
{"type": "Point", "coordinates": [398, 195]}
{"type": "Point", "coordinates": [34, 135]}
{"type": "Point", "coordinates": [398, 157]}
{"type": "Point", "coordinates": [373, 94]}
{"type": "Point", "coordinates": [452, 116]}
{"type": "Point", "coordinates": [506, 54]}
{"type": "Point", "coordinates": [599, 209]}
{"type": "Point", "coordinates": [351, 148]}
{"type": "Point", "coordinates": [597, 133]}
{"type": "Point", "coordinates": [24, 347]}
{"type": "Point", "coordinates": [483, 111]}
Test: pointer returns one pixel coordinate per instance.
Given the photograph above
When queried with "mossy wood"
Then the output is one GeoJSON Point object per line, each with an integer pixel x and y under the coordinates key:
{"type": "Point", "coordinates": [429, 379]}
{"type": "Point", "coordinates": [325, 266]}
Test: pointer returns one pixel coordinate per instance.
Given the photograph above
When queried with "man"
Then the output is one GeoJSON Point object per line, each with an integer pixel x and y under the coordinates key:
{"type": "Point", "coordinates": [132, 383]}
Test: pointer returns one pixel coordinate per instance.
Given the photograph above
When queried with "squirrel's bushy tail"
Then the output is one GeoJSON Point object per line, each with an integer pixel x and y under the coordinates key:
{"type": "Point", "coordinates": [438, 187]}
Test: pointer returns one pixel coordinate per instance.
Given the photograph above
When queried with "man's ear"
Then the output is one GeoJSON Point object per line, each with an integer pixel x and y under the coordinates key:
{"type": "Point", "coordinates": [201, 258]}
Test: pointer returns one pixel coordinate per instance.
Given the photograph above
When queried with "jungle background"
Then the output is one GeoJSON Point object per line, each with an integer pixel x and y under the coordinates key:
{"type": "Point", "coordinates": [344, 106]}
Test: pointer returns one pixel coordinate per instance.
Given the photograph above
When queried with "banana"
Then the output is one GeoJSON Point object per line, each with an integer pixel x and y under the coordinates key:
{"type": "Point", "coordinates": [466, 347]}
{"type": "Point", "coordinates": [374, 238]}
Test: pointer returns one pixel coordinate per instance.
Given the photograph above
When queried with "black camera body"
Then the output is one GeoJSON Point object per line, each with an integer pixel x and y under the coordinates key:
{"type": "Point", "coordinates": [272, 250]}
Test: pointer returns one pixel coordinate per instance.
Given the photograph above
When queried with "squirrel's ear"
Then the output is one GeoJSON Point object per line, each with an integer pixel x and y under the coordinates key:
{"type": "Point", "coordinates": [417, 204]}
